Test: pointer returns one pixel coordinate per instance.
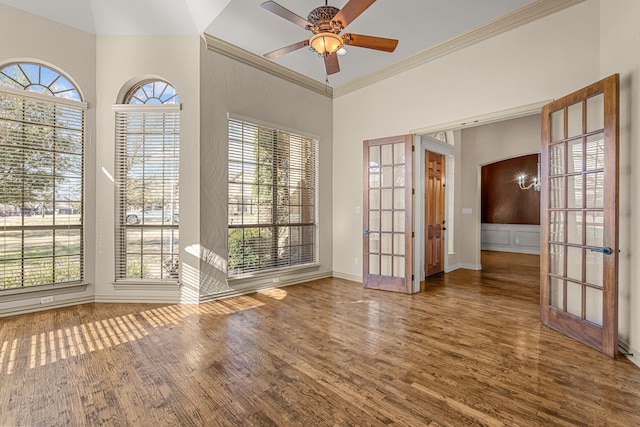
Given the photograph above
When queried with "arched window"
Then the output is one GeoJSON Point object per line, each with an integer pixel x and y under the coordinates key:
{"type": "Point", "coordinates": [42, 169]}
{"type": "Point", "coordinates": [147, 181]}
{"type": "Point", "coordinates": [39, 79]}
{"type": "Point", "coordinates": [152, 92]}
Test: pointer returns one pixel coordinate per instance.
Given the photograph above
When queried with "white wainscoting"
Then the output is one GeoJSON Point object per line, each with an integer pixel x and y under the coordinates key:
{"type": "Point", "coordinates": [511, 238]}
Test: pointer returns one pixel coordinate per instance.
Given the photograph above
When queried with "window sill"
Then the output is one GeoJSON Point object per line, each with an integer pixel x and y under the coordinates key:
{"type": "Point", "coordinates": [146, 285]}
{"type": "Point", "coordinates": [272, 274]}
{"type": "Point", "coordinates": [39, 291]}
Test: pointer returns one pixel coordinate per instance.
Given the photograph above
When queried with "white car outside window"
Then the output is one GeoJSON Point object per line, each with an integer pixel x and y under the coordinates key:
{"type": "Point", "coordinates": [150, 214]}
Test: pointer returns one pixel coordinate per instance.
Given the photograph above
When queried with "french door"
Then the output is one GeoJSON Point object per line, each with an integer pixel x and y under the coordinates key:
{"type": "Point", "coordinates": [387, 214]}
{"type": "Point", "coordinates": [579, 222]}
{"type": "Point", "coordinates": [434, 213]}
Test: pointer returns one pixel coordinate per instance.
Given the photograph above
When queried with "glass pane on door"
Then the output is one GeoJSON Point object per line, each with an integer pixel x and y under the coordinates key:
{"type": "Point", "coordinates": [575, 209]}
{"type": "Point", "coordinates": [595, 151]}
{"type": "Point", "coordinates": [593, 305]}
{"type": "Point", "coordinates": [595, 113]}
{"type": "Point", "coordinates": [557, 293]}
{"type": "Point", "coordinates": [595, 268]}
{"type": "Point", "coordinates": [387, 204]}
{"type": "Point", "coordinates": [574, 298]}
{"type": "Point", "coordinates": [580, 148]}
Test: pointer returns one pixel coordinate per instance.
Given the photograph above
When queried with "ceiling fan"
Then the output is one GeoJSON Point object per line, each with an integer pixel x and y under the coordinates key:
{"type": "Point", "coordinates": [326, 22]}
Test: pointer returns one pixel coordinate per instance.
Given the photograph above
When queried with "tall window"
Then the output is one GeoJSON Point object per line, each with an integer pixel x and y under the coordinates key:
{"type": "Point", "coordinates": [147, 178]}
{"type": "Point", "coordinates": [41, 177]}
{"type": "Point", "coordinates": [272, 198]}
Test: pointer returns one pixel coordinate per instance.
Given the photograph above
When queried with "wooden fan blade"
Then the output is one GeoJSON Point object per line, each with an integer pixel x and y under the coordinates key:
{"type": "Point", "coordinates": [351, 11]}
{"type": "Point", "coordinates": [274, 7]}
{"type": "Point", "coordinates": [331, 64]}
{"type": "Point", "coordinates": [279, 52]}
{"type": "Point", "coordinates": [370, 42]}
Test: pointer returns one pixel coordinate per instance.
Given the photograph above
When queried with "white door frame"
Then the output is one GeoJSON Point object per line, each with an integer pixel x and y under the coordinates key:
{"type": "Point", "coordinates": [424, 143]}
{"type": "Point", "coordinates": [420, 138]}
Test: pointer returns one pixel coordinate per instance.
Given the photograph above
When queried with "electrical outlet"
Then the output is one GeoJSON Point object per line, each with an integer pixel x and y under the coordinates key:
{"type": "Point", "coordinates": [45, 300]}
{"type": "Point", "coordinates": [356, 261]}
{"type": "Point", "coordinates": [276, 280]}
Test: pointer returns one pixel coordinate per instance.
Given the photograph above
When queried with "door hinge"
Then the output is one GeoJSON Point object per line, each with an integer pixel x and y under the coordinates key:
{"type": "Point", "coordinates": [413, 234]}
{"type": "Point", "coordinates": [413, 191]}
{"type": "Point", "coordinates": [413, 148]}
{"type": "Point", "coordinates": [412, 277]}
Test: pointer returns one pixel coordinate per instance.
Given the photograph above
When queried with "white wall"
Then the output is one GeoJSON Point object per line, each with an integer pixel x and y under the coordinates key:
{"type": "Point", "coordinates": [483, 145]}
{"type": "Point", "coordinates": [229, 86]}
{"type": "Point", "coordinates": [520, 238]}
{"type": "Point", "coordinates": [543, 60]}
{"type": "Point", "coordinates": [121, 62]}
{"type": "Point", "coordinates": [26, 37]}
{"type": "Point", "coordinates": [619, 42]}
{"type": "Point", "coordinates": [539, 61]}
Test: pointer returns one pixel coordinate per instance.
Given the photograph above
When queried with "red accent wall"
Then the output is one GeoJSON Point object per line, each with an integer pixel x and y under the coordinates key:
{"type": "Point", "coordinates": [503, 202]}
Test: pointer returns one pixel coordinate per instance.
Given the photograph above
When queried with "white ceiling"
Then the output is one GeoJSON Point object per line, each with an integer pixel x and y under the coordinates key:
{"type": "Point", "coordinates": [417, 24]}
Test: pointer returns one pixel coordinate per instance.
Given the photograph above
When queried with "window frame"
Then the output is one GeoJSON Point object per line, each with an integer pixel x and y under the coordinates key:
{"type": "Point", "coordinates": [276, 267]}
{"type": "Point", "coordinates": [169, 115]}
{"type": "Point", "coordinates": [75, 111]}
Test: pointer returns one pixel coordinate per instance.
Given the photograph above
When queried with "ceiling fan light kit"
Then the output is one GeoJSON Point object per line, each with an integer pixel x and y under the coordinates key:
{"type": "Point", "coordinates": [326, 43]}
{"type": "Point", "coordinates": [326, 23]}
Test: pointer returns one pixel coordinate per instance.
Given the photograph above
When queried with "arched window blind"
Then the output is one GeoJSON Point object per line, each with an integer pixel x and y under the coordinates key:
{"type": "Point", "coordinates": [147, 179]}
{"type": "Point", "coordinates": [41, 176]}
{"type": "Point", "coordinates": [272, 198]}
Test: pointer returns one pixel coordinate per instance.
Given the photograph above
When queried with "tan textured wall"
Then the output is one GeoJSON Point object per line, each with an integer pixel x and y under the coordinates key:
{"type": "Point", "coordinates": [27, 37]}
{"type": "Point", "coordinates": [228, 86]}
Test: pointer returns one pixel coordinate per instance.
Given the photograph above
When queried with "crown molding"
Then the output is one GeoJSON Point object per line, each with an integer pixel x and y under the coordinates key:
{"type": "Point", "coordinates": [220, 46]}
{"type": "Point", "coordinates": [524, 15]}
{"type": "Point", "coordinates": [484, 119]}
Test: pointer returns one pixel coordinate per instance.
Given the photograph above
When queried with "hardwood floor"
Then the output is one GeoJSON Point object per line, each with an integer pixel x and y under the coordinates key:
{"type": "Point", "coordinates": [469, 350]}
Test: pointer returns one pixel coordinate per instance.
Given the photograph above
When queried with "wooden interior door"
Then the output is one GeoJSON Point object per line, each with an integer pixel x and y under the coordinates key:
{"type": "Point", "coordinates": [388, 207]}
{"type": "Point", "coordinates": [579, 222]}
{"type": "Point", "coordinates": [434, 213]}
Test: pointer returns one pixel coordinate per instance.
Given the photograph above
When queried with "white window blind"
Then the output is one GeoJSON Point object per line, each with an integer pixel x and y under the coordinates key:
{"type": "Point", "coordinates": [272, 198]}
{"type": "Point", "coordinates": [41, 190]}
{"type": "Point", "coordinates": [147, 197]}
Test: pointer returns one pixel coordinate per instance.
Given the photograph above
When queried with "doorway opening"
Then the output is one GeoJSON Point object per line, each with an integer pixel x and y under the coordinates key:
{"type": "Point", "coordinates": [467, 146]}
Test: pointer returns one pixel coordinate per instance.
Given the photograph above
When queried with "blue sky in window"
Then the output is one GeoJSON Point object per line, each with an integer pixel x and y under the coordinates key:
{"type": "Point", "coordinates": [39, 79]}
{"type": "Point", "coordinates": [155, 92]}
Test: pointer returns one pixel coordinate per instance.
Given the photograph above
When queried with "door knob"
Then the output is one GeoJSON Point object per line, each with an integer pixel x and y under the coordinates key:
{"type": "Point", "coordinates": [605, 250]}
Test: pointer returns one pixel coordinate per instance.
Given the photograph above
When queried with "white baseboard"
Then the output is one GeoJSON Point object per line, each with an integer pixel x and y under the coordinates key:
{"type": "Point", "coordinates": [32, 308]}
{"type": "Point", "coordinates": [466, 266]}
{"type": "Point", "coordinates": [520, 250]}
{"type": "Point", "coordinates": [630, 353]}
{"type": "Point", "coordinates": [517, 238]}
{"type": "Point", "coordinates": [450, 268]}
{"type": "Point", "coordinates": [139, 298]}
{"type": "Point", "coordinates": [346, 276]}
{"type": "Point", "coordinates": [249, 289]}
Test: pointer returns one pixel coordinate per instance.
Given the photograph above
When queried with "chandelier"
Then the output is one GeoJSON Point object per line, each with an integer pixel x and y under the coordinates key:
{"type": "Point", "coordinates": [535, 181]}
